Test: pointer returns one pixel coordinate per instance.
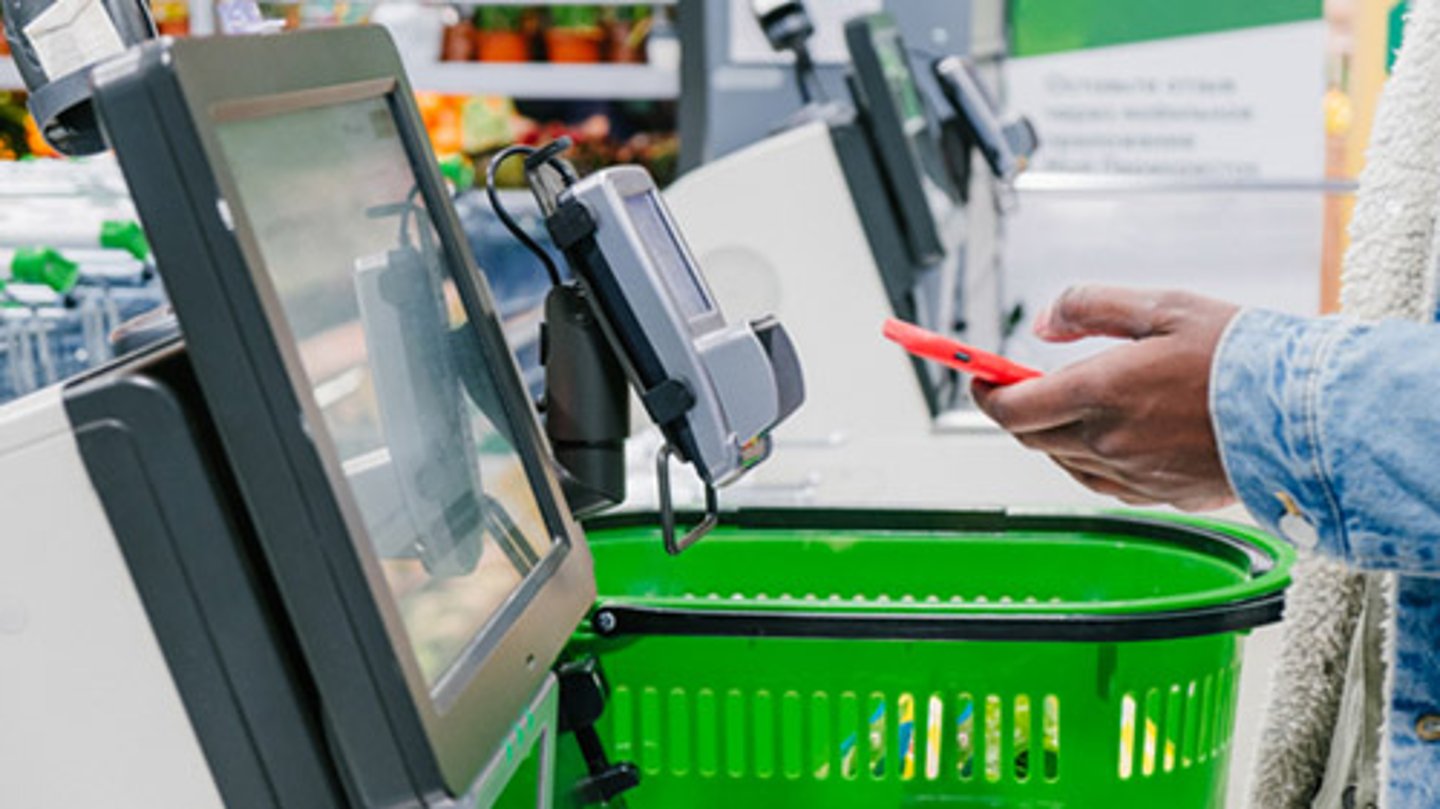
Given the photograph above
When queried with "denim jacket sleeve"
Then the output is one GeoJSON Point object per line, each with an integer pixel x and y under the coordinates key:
{"type": "Point", "coordinates": [1330, 432]}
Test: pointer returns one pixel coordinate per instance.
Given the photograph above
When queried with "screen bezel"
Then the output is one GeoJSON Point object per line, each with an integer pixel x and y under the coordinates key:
{"type": "Point", "coordinates": [899, 151]}
{"type": "Point", "coordinates": [236, 333]}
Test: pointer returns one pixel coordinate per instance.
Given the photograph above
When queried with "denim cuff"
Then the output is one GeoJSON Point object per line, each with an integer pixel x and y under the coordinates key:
{"type": "Point", "coordinates": [1265, 388]}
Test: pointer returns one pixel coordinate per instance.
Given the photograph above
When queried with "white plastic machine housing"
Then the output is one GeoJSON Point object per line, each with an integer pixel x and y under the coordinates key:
{"type": "Point", "coordinates": [775, 229]}
{"type": "Point", "coordinates": [89, 713]}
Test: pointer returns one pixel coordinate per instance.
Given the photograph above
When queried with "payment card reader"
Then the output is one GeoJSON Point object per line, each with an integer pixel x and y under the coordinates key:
{"type": "Point", "coordinates": [715, 389]}
{"type": "Point", "coordinates": [1006, 146]}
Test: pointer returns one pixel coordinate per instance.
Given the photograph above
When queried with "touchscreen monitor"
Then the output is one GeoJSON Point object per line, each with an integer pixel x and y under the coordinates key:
{"type": "Point", "coordinates": [399, 490]}
{"type": "Point", "coordinates": [904, 93]}
{"type": "Point", "coordinates": [899, 129]}
{"type": "Point", "coordinates": [329, 203]}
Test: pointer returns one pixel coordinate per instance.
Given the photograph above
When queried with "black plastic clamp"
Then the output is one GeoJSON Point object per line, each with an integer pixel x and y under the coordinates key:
{"type": "Point", "coordinates": [582, 701]}
{"type": "Point", "coordinates": [571, 224]}
{"type": "Point", "coordinates": [668, 402]}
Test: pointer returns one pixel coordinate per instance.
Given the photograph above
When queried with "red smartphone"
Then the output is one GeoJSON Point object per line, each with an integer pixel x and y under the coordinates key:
{"type": "Point", "coordinates": [937, 347]}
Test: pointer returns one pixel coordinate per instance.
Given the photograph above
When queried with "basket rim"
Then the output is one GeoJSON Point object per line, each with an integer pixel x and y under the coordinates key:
{"type": "Point", "coordinates": [1256, 600]}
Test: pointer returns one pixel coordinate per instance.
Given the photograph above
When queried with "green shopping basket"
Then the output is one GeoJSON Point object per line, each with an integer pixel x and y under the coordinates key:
{"type": "Point", "coordinates": [877, 659]}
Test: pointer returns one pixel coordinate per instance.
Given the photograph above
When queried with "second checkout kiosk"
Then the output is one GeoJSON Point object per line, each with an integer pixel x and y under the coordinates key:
{"type": "Point", "coordinates": [886, 205]}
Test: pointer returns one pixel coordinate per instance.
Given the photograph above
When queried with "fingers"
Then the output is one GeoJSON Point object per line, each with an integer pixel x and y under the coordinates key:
{"type": "Point", "coordinates": [1048, 402]}
{"type": "Point", "coordinates": [1030, 406]}
{"type": "Point", "coordinates": [1098, 311]}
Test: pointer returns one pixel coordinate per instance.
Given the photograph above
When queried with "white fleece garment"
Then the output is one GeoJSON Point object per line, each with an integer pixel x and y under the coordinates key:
{"type": "Point", "coordinates": [1311, 749]}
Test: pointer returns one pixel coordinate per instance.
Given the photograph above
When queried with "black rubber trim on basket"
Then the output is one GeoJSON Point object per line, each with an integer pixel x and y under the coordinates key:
{"type": "Point", "coordinates": [1191, 537]}
{"type": "Point", "coordinates": [615, 620]}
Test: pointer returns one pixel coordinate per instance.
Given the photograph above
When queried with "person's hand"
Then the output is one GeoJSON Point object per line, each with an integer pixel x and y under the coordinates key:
{"type": "Point", "coordinates": [1134, 421]}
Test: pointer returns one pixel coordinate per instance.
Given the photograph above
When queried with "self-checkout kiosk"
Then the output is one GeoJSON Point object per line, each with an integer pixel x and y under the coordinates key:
{"type": "Point", "coordinates": [887, 205]}
{"type": "Point", "coordinates": [904, 145]}
{"type": "Point", "coordinates": [318, 552]}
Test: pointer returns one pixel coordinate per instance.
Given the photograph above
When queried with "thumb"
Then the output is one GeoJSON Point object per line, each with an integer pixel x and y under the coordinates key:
{"type": "Point", "coordinates": [1097, 311]}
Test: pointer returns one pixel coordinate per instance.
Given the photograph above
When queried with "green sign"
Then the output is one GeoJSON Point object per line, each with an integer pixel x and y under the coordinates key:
{"type": "Point", "coordinates": [1055, 26]}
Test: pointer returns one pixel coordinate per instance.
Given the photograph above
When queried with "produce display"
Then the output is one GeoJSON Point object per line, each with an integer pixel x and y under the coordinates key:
{"type": "Point", "coordinates": [19, 136]}
{"type": "Point", "coordinates": [473, 128]}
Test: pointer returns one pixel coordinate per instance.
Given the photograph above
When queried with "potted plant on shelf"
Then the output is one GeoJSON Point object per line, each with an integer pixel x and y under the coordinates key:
{"type": "Point", "coordinates": [626, 28]}
{"type": "Point", "coordinates": [500, 34]}
{"type": "Point", "coordinates": [574, 34]}
{"type": "Point", "coordinates": [457, 44]}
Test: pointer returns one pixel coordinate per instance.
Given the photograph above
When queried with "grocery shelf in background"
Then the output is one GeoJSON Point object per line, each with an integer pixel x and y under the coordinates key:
{"type": "Point", "coordinates": [540, 80]}
{"type": "Point", "coordinates": [544, 80]}
{"type": "Point", "coordinates": [614, 51]}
